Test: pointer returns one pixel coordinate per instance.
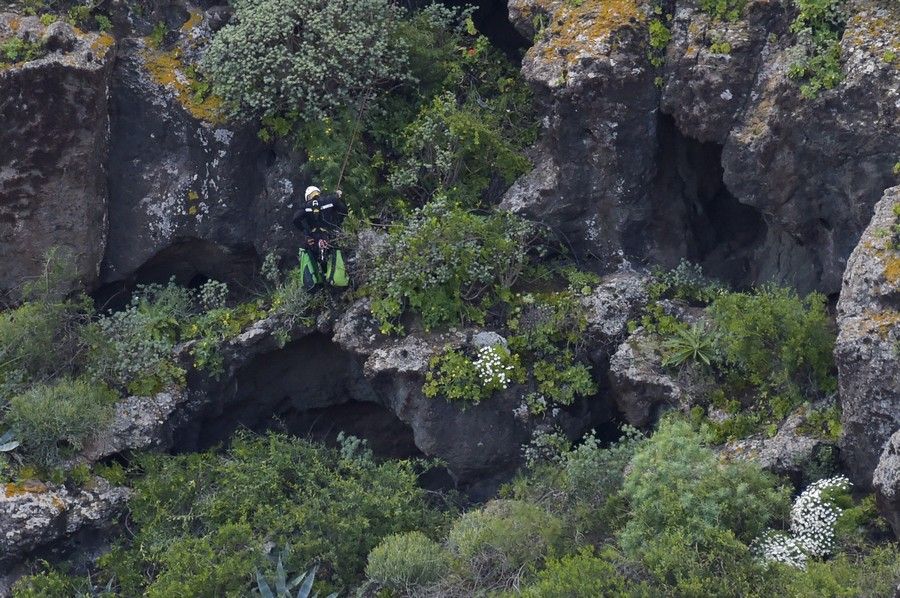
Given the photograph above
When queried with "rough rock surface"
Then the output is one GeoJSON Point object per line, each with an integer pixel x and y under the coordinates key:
{"type": "Point", "coordinates": [869, 333]}
{"type": "Point", "coordinates": [53, 148]}
{"type": "Point", "coordinates": [189, 193]}
{"type": "Point", "coordinates": [728, 165]}
{"type": "Point", "coordinates": [641, 387]}
{"type": "Point", "coordinates": [596, 93]}
{"type": "Point", "coordinates": [886, 481]}
{"type": "Point", "coordinates": [815, 167]}
{"type": "Point", "coordinates": [785, 454]}
{"type": "Point", "coordinates": [34, 515]}
{"type": "Point", "coordinates": [617, 299]}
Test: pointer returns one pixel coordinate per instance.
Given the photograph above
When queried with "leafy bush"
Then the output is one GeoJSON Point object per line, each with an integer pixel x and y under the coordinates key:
{"type": "Point", "coordinates": [583, 575]}
{"type": "Point", "coordinates": [499, 539]}
{"type": "Point", "coordinates": [16, 49]}
{"type": "Point", "coordinates": [560, 380]}
{"type": "Point", "coordinates": [404, 562]}
{"type": "Point", "coordinates": [457, 377]}
{"type": "Point", "coordinates": [308, 56]}
{"type": "Point", "coordinates": [455, 150]}
{"type": "Point", "coordinates": [132, 349]}
{"type": "Point", "coordinates": [685, 282]}
{"type": "Point", "coordinates": [690, 515]}
{"type": "Point", "coordinates": [724, 9]}
{"type": "Point", "coordinates": [54, 421]}
{"type": "Point", "coordinates": [819, 27]}
{"type": "Point", "coordinates": [776, 340]}
{"type": "Point", "coordinates": [458, 126]}
{"type": "Point", "coordinates": [447, 264]}
{"type": "Point", "coordinates": [202, 519]}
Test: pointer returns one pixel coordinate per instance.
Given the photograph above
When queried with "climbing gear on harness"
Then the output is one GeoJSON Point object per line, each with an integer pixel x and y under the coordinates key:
{"type": "Point", "coordinates": [309, 270]}
{"type": "Point", "coordinates": [336, 270]}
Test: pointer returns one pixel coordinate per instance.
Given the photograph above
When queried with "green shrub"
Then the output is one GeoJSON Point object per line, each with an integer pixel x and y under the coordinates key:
{"type": "Point", "coordinates": [447, 265]}
{"type": "Point", "coordinates": [202, 520]}
{"type": "Point", "coordinates": [503, 537]}
{"type": "Point", "coordinates": [16, 49]}
{"type": "Point", "coordinates": [55, 421]}
{"type": "Point", "coordinates": [582, 575]}
{"type": "Point", "coordinates": [457, 126]}
{"type": "Point", "coordinates": [457, 377]}
{"type": "Point", "coordinates": [313, 57]}
{"type": "Point", "coordinates": [50, 583]}
{"type": "Point", "coordinates": [132, 349]}
{"type": "Point", "coordinates": [729, 10]}
{"type": "Point", "coordinates": [547, 324]}
{"type": "Point", "coordinates": [689, 345]}
{"type": "Point", "coordinates": [561, 381]}
{"type": "Point", "coordinates": [404, 562]}
{"type": "Point", "coordinates": [776, 340]}
{"type": "Point", "coordinates": [819, 27]}
{"type": "Point", "coordinates": [455, 150]}
{"type": "Point", "coordinates": [685, 282]}
{"type": "Point", "coordinates": [692, 515]}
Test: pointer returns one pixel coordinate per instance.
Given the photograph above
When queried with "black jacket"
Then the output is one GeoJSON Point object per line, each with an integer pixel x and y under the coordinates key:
{"type": "Point", "coordinates": [321, 217]}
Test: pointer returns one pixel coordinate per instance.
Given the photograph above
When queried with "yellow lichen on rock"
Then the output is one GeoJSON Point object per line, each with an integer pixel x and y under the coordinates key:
{"type": "Point", "coordinates": [102, 44]}
{"type": "Point", "coordinates": [195, 19]}
{"type": "Point", "coordinates": [168, 71]}
{"type": "Point", "coordinates": [574, 29]}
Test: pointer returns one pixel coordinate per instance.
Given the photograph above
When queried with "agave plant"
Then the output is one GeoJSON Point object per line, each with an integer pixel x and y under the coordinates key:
{"type": "Point", "coordinates": [284, 588]}
{"type": "Point", "coordinates": [8, 442]}
{"type": "Point", "coordinates": [689, 344]}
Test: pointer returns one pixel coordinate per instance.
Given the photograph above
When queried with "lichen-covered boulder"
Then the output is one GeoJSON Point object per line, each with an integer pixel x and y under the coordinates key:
{"type": "Point", "coordinates": [868, 318]}
{"type": "Point", "coordinates": [609, 307]}
{"type": "Point", "coordinates": [711, 65]}
{"type": "Point", "coordinates": [595, 91]}
{"type": "Point", "coordinates": [34, 515]}
{"type": "Point", "coordinates": [816, 166]}
{"type": "Point", "coordinates": [640, 386]}
{"type": "Point", "coordinates": [53, 148]}
{"type": "Point", "coordinates": [886, 482]}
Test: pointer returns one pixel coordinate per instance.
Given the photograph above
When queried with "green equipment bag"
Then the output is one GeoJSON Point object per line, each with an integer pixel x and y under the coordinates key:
{"type": "Point", "coordinates": [336, 271]}
{"type": "Point", "coordinates": [309, 271]}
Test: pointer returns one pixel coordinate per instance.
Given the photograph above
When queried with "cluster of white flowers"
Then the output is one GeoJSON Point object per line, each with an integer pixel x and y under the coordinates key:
{"type": "Point", "coordinates": [778, 547]}
{"type": "Point", "coordinates": [491, 368]}
{"type": "Point", "coordinates": [813, 517]}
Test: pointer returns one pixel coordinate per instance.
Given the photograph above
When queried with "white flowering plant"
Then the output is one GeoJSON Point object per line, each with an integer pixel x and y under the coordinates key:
{"type": "Point", "coordinates": [814, 516]}
{"type": "Point", "coordinates": [458, 377]}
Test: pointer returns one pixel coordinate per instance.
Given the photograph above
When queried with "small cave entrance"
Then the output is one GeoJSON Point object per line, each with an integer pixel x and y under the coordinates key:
{"type": "Point", "coordinates": [715, 229]}
{"type": "Point", "coordinates": [189, 262]}
{"type": "Point", "coordinates": [311, 388]}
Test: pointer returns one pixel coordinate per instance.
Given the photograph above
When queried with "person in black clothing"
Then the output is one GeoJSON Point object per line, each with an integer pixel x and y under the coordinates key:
{"type": "Point", "coordinates": [320, 218]}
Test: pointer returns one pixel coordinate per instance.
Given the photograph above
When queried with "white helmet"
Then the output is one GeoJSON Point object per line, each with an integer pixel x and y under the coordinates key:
{"type": "Point", "coordinates": [311, 192]}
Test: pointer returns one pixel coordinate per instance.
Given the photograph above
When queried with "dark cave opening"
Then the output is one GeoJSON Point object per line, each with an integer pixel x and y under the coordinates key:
{"type": "Point", "coordinates": [716, 230]}
{"type": "Point", "coordinates": [189, 262]}
{"type": "Point", "coordinates": [311, 388]}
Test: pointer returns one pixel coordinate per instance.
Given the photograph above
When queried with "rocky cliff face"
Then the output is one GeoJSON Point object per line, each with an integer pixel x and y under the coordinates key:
{"type": "Point", "coordinates": [726, 164]}
{"type": "Point", "coordinates": [189, 194]}
{"type": "Point", "coordinates": [867, 352]}
{"type": "Point", "coordinates": [53, 149]}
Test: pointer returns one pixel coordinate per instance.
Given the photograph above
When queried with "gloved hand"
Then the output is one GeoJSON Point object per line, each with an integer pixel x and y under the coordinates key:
{"type": "Point", "coordinates": [323, 244]}
{"type": "Point", "coordinates": [339, 193]}
{"type": "Point", "coordinates": [310, 242]}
